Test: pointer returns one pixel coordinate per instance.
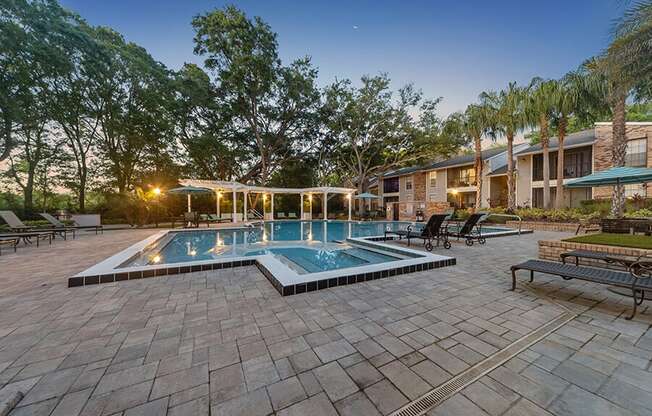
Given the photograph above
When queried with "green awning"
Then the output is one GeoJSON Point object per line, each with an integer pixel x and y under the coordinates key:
{"type": "Point", "coordinates": [367, 195]}
{"type": "Point", "coordinates": [613, 176]}
{"type": "Point", "coordinates": [187, 190]}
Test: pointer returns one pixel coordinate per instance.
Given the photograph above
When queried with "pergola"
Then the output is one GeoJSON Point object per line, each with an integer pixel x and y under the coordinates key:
{"type": "Point", "coordinates": [220, 187]}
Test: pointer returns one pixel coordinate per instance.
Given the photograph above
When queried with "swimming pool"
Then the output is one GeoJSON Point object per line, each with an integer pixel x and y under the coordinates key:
{"type": "Point", "coordinates": [295, 256]}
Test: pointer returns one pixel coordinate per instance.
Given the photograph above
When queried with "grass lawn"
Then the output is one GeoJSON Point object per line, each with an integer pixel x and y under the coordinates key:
{"type": "Point", "coordinates": [621, 240]}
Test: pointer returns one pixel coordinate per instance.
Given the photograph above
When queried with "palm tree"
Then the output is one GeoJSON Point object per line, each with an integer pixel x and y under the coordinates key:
{"type": "Point", "coordinates": [624, 66]}
{"type": "Point", "coordinates": [539, 106]}
{"type": "Point", "coordinates": [475, 123]}
{"type": "Point", "coordinates": [572, 96]}
{"type": "Point", "coordinates": [506, 117]}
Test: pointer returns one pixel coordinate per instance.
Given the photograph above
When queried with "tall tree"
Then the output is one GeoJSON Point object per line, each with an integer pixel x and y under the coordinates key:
{"type": "Point", "coordinates": [134, 99]}
{"type": "Point", "coordinates": [212, 149]}
{"type": "Point", "coordinates": [32, 34]}
{"type": "Point", "coordinates": [473, 124]}
{"type": "Point", "coordinates": [572, 96]}
{"type": "Point", "coordinates": [276, 105]}
{"type": "Point", "coordinates": [507, 115]}
{"type": "Point", "coordinates": [374, 131]}
{"type": "Point", "coordinates": [539, 107]}
{"type": "Point", "coordinates": [624, 66]}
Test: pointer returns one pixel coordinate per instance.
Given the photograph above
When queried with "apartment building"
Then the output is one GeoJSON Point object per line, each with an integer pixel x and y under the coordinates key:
{"type": "Point", "coordinates": [438, 186]}
{"type": "Point", "coordinates": [584, 153]}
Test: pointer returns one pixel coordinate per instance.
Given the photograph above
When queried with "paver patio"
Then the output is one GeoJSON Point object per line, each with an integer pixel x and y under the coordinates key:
{"type": "Point", "coordinates": [226, 342]}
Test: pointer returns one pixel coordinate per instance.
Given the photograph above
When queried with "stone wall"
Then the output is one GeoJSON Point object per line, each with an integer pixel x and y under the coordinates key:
{"type": "Point", "coordinates": [419, 186]}
{"type": "Point", "coordinates": [602, 150]}
{"type": "Point", "coordinates": [551, 249]}
{"type": "Point", "coordinates": [567, 227]}
{"type": "Point", "coordinates": [407, 211]}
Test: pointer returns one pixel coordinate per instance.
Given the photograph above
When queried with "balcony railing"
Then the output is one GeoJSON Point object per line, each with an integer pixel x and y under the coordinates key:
{"type": "Point", "coordinates": [462, 182]}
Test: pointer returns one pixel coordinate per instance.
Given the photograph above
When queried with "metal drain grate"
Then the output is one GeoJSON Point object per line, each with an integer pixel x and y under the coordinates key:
{"type": "Point", "coordinates": [438, 395]}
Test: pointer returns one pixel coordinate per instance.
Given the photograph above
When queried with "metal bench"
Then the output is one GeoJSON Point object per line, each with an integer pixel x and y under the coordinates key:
{"type": "Point", "coordinates": [637, 279]}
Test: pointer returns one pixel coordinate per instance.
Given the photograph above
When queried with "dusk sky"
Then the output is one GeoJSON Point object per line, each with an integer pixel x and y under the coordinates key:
{"type": "Point", "coordinates": [453, 49]}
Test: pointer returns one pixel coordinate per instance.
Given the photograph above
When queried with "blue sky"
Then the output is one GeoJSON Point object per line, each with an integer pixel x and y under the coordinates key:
{"type": "Point", "coordinates": [453, 49]}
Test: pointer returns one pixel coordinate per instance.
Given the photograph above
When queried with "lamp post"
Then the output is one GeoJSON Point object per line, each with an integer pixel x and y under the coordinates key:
{"type": "Point", "coordinates": [157, 194]}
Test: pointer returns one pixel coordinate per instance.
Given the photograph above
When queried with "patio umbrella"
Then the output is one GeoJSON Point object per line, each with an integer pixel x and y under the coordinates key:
{"type": "Point", "coordinates": [189, 190]}
{"type": "Point", "coordinates": [613, 176]}
{"type": "Point", "coordinates": [367, 195]}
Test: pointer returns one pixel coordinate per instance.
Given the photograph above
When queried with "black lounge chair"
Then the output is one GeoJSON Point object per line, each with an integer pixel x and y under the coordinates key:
{"type": "Point", "coordinates": [638, 278]}
{"type": "Point", "coordinates": [470, 230]}
{"type": "Point", "coordinates": [26, 236]}
{"type": "Point", "coordinates": [16, 225]}
{"type": "Point", "coordinates": [9, 240]}
{"type": "Point", "coordinates": [432, 231]}
{"type": "Point", "coordinates": [58, 224]}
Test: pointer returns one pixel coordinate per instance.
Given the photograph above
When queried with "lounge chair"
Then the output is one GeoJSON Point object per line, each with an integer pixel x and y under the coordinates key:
{"type": "Point", "coordinates": [191, 219]}
{"type": "Point", "coordinates": [213, 218]}
{"type": "Point", "coordinates": [281, 216]}
{"type": "Point", "coordinates": [26, 236]}
{"type": "Point", "coordinates": [638, 278]}
{"type": "Point", "coordinates": [292, 215]}
{"type": "Point", "coordinates": [10, 240]}
{"type": "Point", "coordinates": [58, 224]}
{"type": "Point", "coordinates": [431, 231]}
{"type": "Point", "coordinates": [470, 230]}
{"type": "Point", "coordinates": [16, 225]}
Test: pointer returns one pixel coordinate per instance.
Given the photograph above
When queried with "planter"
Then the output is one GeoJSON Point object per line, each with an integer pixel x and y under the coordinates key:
{"type": "Point", "coordinates": [551, 249]}
{"type": "Point", "coordinates": [567, 227]}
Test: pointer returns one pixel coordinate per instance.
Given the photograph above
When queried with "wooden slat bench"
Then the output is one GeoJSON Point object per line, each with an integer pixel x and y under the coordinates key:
{"type": "Point", "coordinates": [638, 279]}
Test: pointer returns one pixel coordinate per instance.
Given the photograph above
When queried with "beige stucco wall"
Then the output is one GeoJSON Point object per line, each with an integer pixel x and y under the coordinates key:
{"type": "Point", "coordinates": [523, 180]}
{"type": "Point", "coordinates": [404, 195]}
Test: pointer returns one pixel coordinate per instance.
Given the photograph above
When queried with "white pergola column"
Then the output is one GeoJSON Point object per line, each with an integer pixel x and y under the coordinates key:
{"type": "Point", "coordinates": [325, 206]}
{"type": "Point", "coordinates": [350, 202]}
{"type": "Point", "coordinates": [310, 200]}
{"type": "Point", "coordinates": [301, 208]}
{"type": "Point", "coordinates": [246, 196]}
{"type": "Point", "coordinates": [234, 209]}
{"type": "Point", "coordinates": [272, 205]}
{"type": "Point", "coordinates": [217, 203]}
{"type": "Point", "coordinates": [189, 204]}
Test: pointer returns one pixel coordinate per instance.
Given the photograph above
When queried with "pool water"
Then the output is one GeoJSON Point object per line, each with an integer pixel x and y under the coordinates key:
{"type": "Point", "coordinates": [312, 246]}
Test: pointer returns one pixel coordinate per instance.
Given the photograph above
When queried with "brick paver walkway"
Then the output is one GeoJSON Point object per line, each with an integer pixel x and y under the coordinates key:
{"type": "Point", "coordinates": [227, 343]}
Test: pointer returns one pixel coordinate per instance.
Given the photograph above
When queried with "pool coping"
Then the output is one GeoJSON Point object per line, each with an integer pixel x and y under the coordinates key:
{"type": "Point", "coordinates": [285, 280]}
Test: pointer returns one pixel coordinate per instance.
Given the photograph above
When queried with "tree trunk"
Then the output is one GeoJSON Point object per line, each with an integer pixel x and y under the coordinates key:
{"type": "Point", "coordinates": [619, 148]}
{"type": "Point", "coordinates": [559, 197]}
{"type": "Point", "coordinates": [82, 190]}
{"type": "Point", "coordinates": [511, 194]}
{"type": "Point", "coordinates": [478, 172]}
{"type": "Point", "coordinates": [28, 191]}
{"type": "Point", "coordinates": [545, 145]}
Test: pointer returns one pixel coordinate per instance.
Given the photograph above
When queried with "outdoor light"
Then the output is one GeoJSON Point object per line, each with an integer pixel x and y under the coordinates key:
{"type": "Point", "coordinates": [157, 191]}
{"type": "Point", "coordinates": [219, 194]}
{"type": "Point", "coordinates": [309, 197]}
{"type": "Point", "coordinates": [193, 252]}
{"type": "Point", "coordinates": [348, 196]}
{"type": "Point", "coordinates": [264, 197]}
{"type": "Point", "coordinates": [454, 192]}
{"type": "Point", "coordinates": [156, 259]}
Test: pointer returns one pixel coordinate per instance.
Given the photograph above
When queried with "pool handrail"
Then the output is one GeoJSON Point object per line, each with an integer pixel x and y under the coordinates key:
{"type": "Point", "coordinates": [520, 220]}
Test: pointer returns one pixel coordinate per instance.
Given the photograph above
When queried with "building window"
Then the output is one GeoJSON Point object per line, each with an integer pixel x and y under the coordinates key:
{"type": "Point", "coordinates": [433, 178]}
{"type": "Point", "coordinates": [433, 197]}
{"type": "Point", "coordinates": [390, 185]}
{"type": "Point", "coordinates": [577, 163]}
{"type": "Point", "coordinates": [636, 154]}
{"type": "Point", "coordinates": [408, 183]}
{"type": "Point", "coordinates": [636, 190]}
